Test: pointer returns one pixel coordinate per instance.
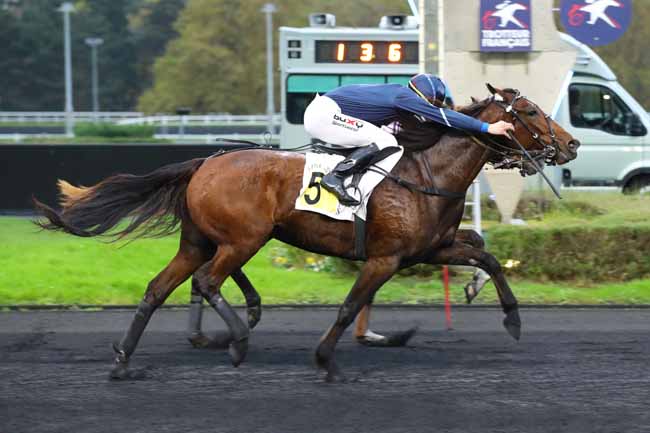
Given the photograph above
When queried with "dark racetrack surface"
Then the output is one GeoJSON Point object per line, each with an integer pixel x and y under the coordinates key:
{"type": "Point", "coordinates": [573, 371]}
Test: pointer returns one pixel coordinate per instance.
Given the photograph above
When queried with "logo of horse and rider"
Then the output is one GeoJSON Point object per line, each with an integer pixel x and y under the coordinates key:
{"type": "Point", "coordinates": [595, 22]}
{"type": "Point", "coordinates": [505, 12]}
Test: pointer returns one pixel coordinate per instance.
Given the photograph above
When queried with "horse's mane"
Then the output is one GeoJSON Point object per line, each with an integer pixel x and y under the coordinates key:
{"type": "Point", "coordinates": [415, 135]}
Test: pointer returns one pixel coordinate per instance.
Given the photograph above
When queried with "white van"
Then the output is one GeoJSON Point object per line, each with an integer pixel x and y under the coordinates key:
{"type": "Point", "coordinates": [611, 125]}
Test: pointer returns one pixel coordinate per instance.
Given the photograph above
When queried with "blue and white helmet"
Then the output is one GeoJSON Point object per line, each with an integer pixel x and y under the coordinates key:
{"type": "Point", "coordinates": [430, 88]}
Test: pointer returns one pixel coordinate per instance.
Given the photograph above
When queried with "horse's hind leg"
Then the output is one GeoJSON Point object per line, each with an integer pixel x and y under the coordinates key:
{"type": "Point", "coordinates": [227, 260]}
{"type": "Point", "coordinates": [465, 255]}
{"type": "Point", "coordinates": [374, 274]}
{"type": "Point", "coordinates": [253, 299]}
{"type": "Point", "coordinates": [188, 258]}
{"type": "Point", "coordinates": [197, 338]}
{"type": "Point", "coordinates": [222, 339]}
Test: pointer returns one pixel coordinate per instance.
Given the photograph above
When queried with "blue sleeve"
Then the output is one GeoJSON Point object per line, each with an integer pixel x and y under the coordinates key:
{"type": "Point", "coordinates": [409, 101]}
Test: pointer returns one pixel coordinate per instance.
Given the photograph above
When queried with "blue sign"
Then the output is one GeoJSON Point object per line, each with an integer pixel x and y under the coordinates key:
{"type": "Point", "coordinates": [596, 22]}
{"type": "Point", "coordinates": [505, 25]}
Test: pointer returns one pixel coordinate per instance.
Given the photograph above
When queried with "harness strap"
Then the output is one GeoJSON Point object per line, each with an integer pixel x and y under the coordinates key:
{"type": "Point", "coordinates": [433, 190]}
{"type": "Point", "coordinates": [359, 238]}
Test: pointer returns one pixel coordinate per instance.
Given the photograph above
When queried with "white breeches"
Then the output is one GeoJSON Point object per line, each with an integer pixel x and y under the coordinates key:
{"type": "Point", "coordinates": [324, 121]}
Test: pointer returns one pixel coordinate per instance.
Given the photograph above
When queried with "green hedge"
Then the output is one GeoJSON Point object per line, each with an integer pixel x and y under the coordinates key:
{"type": "Point", "coordinates": [111, 130]}
{"type": "Point", "coordinates": [615, 253]}
{"type": "Point", "coordinates": [577, 253]}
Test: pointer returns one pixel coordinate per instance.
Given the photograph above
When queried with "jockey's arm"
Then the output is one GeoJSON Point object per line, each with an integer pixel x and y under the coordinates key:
{"type": "Point", "coordinates": [409, 101]}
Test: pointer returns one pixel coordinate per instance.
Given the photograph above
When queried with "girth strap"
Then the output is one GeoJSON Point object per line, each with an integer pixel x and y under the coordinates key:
{"type": "Point", "coordinates": [359, 238]}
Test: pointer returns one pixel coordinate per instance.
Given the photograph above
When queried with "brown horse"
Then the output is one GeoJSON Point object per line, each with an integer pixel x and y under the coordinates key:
{"type": "Point", "coordinates": [238, 201]}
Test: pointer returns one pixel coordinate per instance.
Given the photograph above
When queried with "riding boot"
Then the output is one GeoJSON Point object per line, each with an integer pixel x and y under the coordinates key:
{"type": "Point", "coordinates": [354, 163]}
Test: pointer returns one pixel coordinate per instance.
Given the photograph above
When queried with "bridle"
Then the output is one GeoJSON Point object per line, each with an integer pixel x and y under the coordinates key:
{"type": "Point", "coordinates": [515, 158]}
{"type": "Point", "coordinates": [549, 151]}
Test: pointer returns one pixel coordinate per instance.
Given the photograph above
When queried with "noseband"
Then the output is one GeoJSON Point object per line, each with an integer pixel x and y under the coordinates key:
{"type": "Point", "coordinates": [549, 151]}
{"type": "Point", "coordinates": [547, 154]}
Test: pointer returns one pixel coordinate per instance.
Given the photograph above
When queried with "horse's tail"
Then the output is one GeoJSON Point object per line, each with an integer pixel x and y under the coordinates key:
{"type": "Point", "coordinates": [156, 203]}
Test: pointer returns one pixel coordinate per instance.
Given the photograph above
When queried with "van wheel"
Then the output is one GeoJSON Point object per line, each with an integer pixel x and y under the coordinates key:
{"type": "Point", "coordinates": [638, 185]}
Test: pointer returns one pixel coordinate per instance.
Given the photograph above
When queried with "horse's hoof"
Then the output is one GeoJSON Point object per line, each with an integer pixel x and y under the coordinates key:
{"type": "Point", "coordinates": [470, 292]}
{"type": "Point", "coordinates": [320, 361]}
{"type": "Point", "coordinates": [221, 340]}
{"type": "Point", "coordinates": [199, 341]}
{"type": "Point", "coordinates": [120, 371]}
{"type": "Point", "coordinates": [401, 338]}
{"type": "Point", "coordinates": [512, 323]}
{"type": "Point", "coordinates": [237, 351]}
{"type": "Point", "coordinates": [254, 314]}
{"type": "Point", "coordinates": [335, 377]}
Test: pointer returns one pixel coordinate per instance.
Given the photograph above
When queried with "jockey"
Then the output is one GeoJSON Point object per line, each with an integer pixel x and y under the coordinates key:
{"type": "Point", "coordinates": [353, 115]}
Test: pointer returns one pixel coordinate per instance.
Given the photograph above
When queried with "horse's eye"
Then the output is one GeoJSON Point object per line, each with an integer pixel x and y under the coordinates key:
{"type": "Point", "coordinates": [532, 112]}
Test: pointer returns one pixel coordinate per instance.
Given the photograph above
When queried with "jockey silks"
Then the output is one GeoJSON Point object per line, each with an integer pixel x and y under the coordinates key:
{"type": "Point", "coordinates": [380, 104]}
{"type": "Point", "coordinates": [325, 121]}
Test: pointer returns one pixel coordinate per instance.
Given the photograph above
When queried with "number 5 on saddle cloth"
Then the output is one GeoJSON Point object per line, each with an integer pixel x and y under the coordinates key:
{"type": "Point", "coordinates": [313, 198]}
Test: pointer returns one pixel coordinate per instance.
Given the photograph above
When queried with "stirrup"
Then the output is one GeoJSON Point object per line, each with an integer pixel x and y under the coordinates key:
{"type": "Point", "coordinates": [334, 184]}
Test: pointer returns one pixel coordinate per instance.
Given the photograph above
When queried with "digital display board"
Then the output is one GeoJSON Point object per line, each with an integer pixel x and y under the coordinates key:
{"type": "Point", "coordinates": [369, 52]}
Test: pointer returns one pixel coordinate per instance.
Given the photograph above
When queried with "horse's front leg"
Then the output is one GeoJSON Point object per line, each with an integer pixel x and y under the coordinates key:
{"type": "Point", "coordinates": [480, 277]}
{"type": "Point", "coordinates": [465, 255]}
{"type": "Point", "coordinates": [365, 336]}
{"type": "Point", "coordinates": [375, 272]}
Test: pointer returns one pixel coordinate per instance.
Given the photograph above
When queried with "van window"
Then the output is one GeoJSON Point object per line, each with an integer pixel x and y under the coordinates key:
{"type": "Point", "coordinates": [597, 107]}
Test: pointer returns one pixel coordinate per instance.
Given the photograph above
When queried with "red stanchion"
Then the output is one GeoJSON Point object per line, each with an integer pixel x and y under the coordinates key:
{"type": "Point", "coordinates": [445, 280]}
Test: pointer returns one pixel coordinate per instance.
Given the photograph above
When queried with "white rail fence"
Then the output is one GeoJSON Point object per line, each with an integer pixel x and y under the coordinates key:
{"type": "Point", "coordinates": [59, 116]}
{"type": "Point", "coordinates": [171, 127]}
{"type": "Point", "coordinates": [137, 118]}
{"type": "Point", "coordinates": [202, 120]}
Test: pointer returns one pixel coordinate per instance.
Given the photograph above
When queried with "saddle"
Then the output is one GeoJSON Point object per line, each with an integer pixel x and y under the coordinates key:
{"type": "Point", "coordinates": [322, 147]}
{"type": "Point", "coordinates": [334, 149]}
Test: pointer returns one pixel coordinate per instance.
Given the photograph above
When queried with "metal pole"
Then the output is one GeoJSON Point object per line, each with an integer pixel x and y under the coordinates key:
{"type": "Point", "coordinates": [93, 43]}
{"type": "Point", "coordinates": [66, 8]}
{"type": "Point", "coordinates": [93, 60]}
{"type": "Point", "coordinates": [445, 282]}
{"type": "Point", "coordinates": [476, 208]}
{"type": "Point", "coordinates": [268, 9]}
{"type": "Point", "coordinates": [429, 37]}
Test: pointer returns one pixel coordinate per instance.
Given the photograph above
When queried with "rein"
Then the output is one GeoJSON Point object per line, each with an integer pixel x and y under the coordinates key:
{"type": "Point", "coordinates": [548, 152]}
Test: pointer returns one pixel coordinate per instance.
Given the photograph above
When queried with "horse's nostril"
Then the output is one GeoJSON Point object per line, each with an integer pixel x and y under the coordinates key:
{"type": "Point", "coordinates": [574, 144]}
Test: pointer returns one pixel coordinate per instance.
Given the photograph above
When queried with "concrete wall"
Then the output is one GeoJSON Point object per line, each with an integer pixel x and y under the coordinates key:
{"type": "Point", "coordinates": [538, 74]}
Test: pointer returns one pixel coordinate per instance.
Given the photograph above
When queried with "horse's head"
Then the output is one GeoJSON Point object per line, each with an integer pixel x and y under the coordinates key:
{"type": "Point", "coordinates": [540, 135]}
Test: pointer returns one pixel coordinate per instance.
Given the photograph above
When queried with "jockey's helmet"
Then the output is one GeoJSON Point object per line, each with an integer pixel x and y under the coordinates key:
{"type": "Point", "coordinates": [429, 87]}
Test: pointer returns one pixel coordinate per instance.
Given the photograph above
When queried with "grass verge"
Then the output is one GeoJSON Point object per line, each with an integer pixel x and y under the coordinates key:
{"type": "Point", "coordinates": [52, 268]}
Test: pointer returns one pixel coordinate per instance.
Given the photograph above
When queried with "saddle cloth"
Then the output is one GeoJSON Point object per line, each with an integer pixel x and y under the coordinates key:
{"type": "Point", "coordinates": [313, 198]}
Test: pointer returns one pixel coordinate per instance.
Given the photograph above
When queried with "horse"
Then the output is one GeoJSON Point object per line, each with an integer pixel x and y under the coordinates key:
{"type": "Point", "coordinates": [238, 201]}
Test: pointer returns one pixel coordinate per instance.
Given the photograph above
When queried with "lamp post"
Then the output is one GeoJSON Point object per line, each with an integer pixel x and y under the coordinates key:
{"type": "Point", "coordinates": [268, 9]}
{"type": "Point", "coordinates": [93, 43]}
{"type": "Point", "coordinates": [66, 8]}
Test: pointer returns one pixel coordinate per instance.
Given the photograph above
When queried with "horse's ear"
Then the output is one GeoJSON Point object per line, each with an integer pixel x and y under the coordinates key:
{"type": "Point", "coordinates": [490, 88]}
{"type": "Point", "coordinates": [474, 100]}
